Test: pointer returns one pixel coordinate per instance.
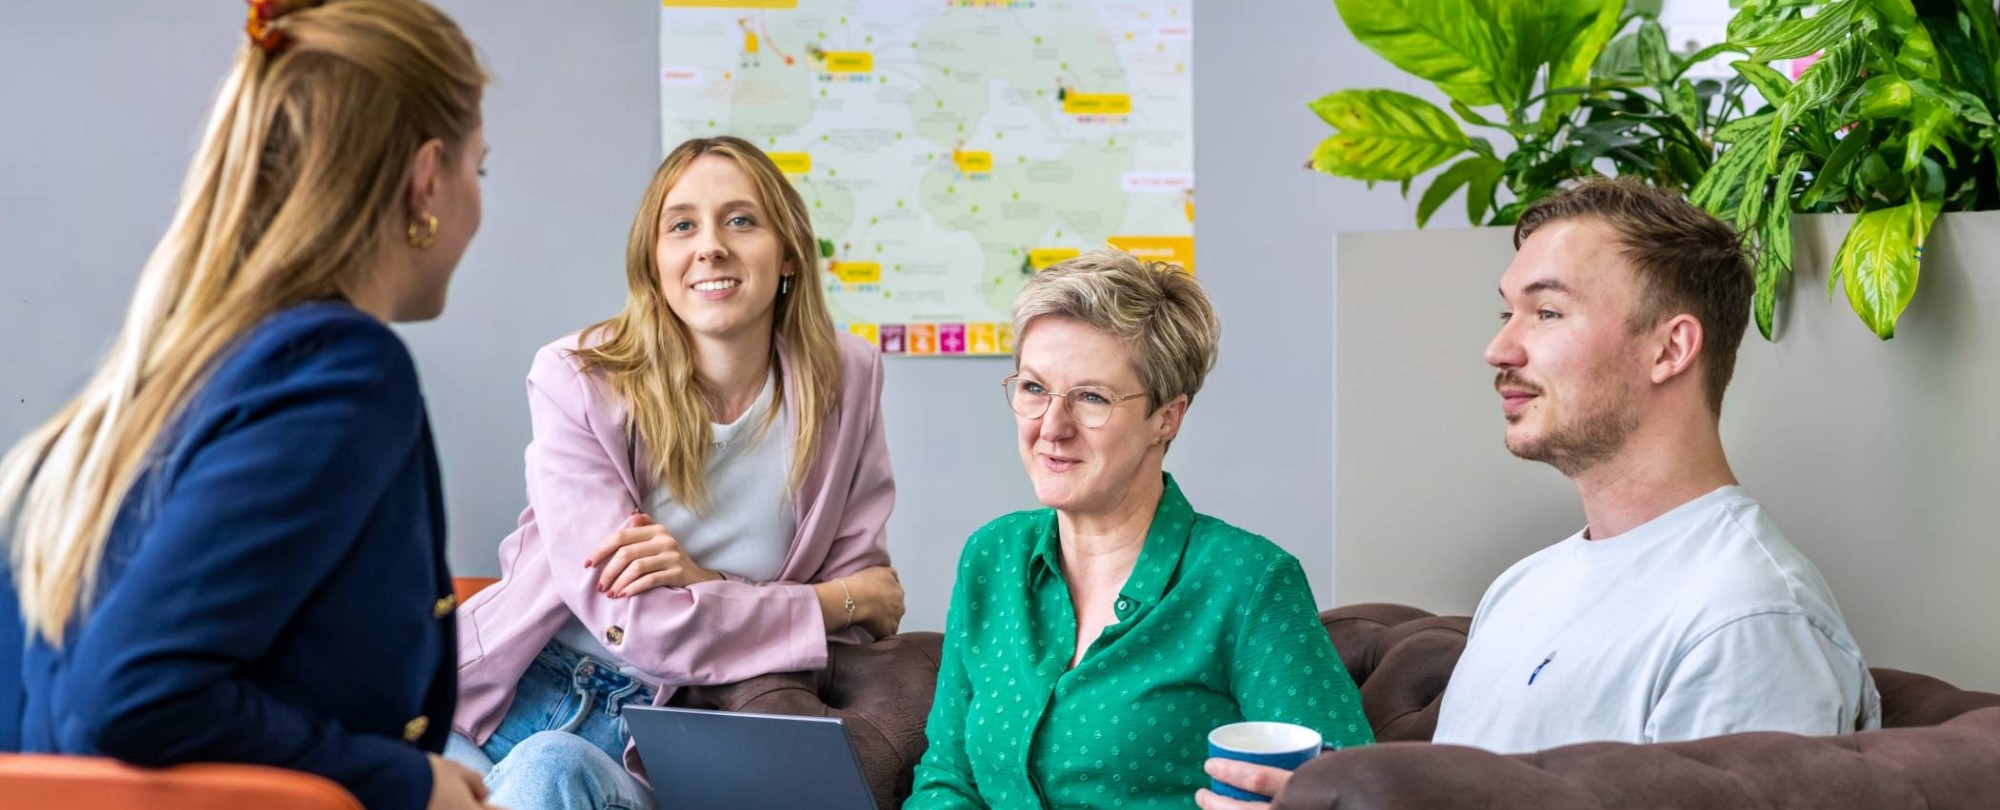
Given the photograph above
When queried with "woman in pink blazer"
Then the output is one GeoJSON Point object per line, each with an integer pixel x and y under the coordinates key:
{"type": "Point", "coordinates": [707, 489]}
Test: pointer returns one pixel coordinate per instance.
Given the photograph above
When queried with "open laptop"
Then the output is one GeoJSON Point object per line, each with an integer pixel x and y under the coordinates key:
{"type": "Point", "coordinates": [702, 760]}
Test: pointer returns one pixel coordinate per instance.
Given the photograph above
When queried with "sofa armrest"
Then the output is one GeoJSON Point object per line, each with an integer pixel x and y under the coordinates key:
{"type": "Point", "coordinates": [881, 691]}
{"type": "Point", "coordinates": [1946, 767]}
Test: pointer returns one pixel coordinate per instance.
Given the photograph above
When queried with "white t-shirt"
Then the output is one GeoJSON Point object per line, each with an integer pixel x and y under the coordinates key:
{"type": "Point", "coordinates": [750, 524]}
{"type": "Point", "coordinates": [1704, 621]}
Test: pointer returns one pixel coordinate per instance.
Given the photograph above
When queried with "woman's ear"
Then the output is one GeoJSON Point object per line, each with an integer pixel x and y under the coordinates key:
{"type": "Point", "coordinates": [1171, 415]}
{"type": "Point", "coordinates": [426, 174]}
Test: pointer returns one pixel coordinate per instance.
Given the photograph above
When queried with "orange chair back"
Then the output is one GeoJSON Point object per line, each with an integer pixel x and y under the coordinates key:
{"type": "Point", "coordinates": [39, 782]}
{"type": "Point", "coordinates": [465, 587]}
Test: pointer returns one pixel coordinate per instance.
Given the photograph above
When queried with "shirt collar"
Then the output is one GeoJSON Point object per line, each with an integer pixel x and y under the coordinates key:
{"type": "Point", "coordinates": [1166, 542]}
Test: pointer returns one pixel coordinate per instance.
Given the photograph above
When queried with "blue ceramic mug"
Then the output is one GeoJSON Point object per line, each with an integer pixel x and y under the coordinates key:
{"type": "Point", "coordinates": [1276, 745]}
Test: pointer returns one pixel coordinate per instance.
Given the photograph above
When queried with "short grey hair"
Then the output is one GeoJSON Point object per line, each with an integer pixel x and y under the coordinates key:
{"type": "Point", "coordinates": [1156, 308]}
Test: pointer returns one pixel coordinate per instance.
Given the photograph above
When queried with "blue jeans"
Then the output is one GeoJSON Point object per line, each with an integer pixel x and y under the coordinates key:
{"type": "Point", "coordinates": [562, 742]}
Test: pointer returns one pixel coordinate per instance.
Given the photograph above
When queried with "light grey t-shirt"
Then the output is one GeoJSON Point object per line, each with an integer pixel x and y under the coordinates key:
{"type": "Point", "coordinates": [1704, 621]}
{"type": "Point", "coordinates": [750, 523]}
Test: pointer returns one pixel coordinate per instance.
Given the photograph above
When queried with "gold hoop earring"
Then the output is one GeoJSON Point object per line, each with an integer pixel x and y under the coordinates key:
{"type": "Point", "coordinates": [428, 237]}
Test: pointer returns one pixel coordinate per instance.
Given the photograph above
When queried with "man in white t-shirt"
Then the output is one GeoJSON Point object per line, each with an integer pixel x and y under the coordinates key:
{"type": "Point", "coordinates": [1679, 611]}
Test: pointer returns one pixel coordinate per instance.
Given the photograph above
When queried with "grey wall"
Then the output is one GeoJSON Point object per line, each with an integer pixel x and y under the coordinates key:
{"type": "Point", "coordinates": [104, 106]}
{"type": "Point", "coordinates": [104, 102]}
{"type": "Point", "coordinates": [1432, 506]}
{"type": "Point", "coordinates": [1879, 460]}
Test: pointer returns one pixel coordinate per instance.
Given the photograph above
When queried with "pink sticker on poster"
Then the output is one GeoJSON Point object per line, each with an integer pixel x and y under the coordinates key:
{"type": "Point", "coordinates": [951, 338]}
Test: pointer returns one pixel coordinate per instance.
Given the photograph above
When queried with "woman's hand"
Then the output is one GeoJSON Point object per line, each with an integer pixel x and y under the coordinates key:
{"type": "Point", "coordinates": [1258, 779]}
{"type": "Point", "coordinates": [454, 786]}
{"type": "Point", "coordinates": [643, 556]}
{"type": "Point", "coordinates": [878, 601]}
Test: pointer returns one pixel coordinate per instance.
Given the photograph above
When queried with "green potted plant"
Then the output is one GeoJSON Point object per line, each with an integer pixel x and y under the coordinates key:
{"type": "Point", "coordinates": [1895, 122]}
{"type": "Point", "coordinates": [1554, 76]}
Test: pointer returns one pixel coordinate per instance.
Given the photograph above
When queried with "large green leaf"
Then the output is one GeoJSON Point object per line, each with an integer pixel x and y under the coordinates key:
{"type": "Point", "coordinates": [1570, 66]}
{"type": "Point", "coordinates": [1898, 14]}
{"type": "Point", "coordinates": [1879, 260]}
{"type": "Point", "coordinates": [1918, 56]}
{"type": "Point", "coordinates": [1830, 180]}
{"type": "Point", "coordinates": [1454, 43]}
{"type": "Point", "coordinates": [1774, 254]}
{"type": "Point", "coordinates": [1384, 135]}
{"type": "Point", "coordinates": [1931, 124]}
{"type": "Point", "coordinates": [1965, 105]}
{"type": "Point", "coordinates": [1883, 96]}
{"type": "Point", "coordinates": [1475, 170]}
{"type": "Point", "coordinates": [1706, 54]}
{"type": "Point", "coordinates": [1479, 195]}
{"type": "Point", "coordinates": [1656, 60]}
{"type": "Point", "coordinates": [1735, 131]}
{"type": "Point", "coordinates": [1837, 70]}
{"type": "Point", "coordinates": [1737, 172]}
{"type": "Point", "coordinates": [1770, 84]}
{"type": "Point", "coordinates": [1805, 36]}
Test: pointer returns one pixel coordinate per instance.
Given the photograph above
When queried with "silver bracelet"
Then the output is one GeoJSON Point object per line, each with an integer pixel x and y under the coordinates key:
{"type": "Point", "coordinates": [848, 603]}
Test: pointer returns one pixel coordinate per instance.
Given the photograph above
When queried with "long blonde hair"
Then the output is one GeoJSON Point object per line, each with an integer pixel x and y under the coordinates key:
{"type": "Point", "coordinates": [301, 168]}
{"type": "Point", "coordinates": [644, 350]}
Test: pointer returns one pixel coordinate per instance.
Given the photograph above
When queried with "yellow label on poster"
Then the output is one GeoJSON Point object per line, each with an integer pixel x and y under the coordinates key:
{"type": "Point", "coordinates": [792, 162]}
{"type": "Point", "coordinates": [867, 331]}
{"type": "Point", "coordinates": [973, 161]}
{"type": "Point", "coordinates": [1005, 333]}
{"type": "Point", "coordinates": [1174, 249]}
{"type": "Point", "coordinates": [858, 272]}
{"type": "Point", "coordinates": [729, 3]}
{"type": "Point", "coordinates": [849, 62]}
{"type": "Point", "coordinates": [1041, 258]}
{"type": "Point", "coordinates": [1097, 104]}
{"type": "Point", "coordinates": [981, 338]}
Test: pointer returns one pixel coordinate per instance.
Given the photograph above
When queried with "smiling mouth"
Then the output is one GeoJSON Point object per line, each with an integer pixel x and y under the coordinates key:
{"type": "Point", "coordinates": [716, 285]}
{"type": "Point", "coordinates": [1059, 463]}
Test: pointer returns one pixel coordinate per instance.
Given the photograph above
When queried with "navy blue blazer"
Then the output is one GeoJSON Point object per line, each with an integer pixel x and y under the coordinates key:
{"type": "Point", "coordinates": [274, 589]}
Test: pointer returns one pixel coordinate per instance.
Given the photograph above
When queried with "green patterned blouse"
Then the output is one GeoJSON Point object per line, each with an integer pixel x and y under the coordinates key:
{"type": "Point", "coordinates": [1215, 625]}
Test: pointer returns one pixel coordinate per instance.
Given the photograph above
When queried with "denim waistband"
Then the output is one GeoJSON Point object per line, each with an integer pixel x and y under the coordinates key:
{"type": "Point", "coordinates": [593, 678]}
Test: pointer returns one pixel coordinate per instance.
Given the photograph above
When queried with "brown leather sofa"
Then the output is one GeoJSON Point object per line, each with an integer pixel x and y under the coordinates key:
{"type": "Point", "coordinates": [1940, 749]}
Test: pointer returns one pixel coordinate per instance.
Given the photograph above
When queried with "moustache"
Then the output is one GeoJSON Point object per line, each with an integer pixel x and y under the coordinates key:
{"type": "Point", "coordinates": [1507, 378]}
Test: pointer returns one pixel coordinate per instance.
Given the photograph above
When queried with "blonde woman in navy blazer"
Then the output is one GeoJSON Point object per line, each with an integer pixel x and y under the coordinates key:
{"type": "Point", "coordinates": [229, 546]}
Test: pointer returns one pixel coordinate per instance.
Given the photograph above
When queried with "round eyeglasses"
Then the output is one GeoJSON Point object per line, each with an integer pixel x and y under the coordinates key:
{"type": "Point", "coordinates": [1088, 405]}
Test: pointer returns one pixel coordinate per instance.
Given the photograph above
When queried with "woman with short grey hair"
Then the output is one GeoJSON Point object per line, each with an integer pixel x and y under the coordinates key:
{"type": "Point", "coordinates": [1093, 644]}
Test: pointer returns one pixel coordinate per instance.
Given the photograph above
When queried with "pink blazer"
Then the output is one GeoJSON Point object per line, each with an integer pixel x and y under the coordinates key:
{"type": "Point", "coordinates": [582, 485]}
